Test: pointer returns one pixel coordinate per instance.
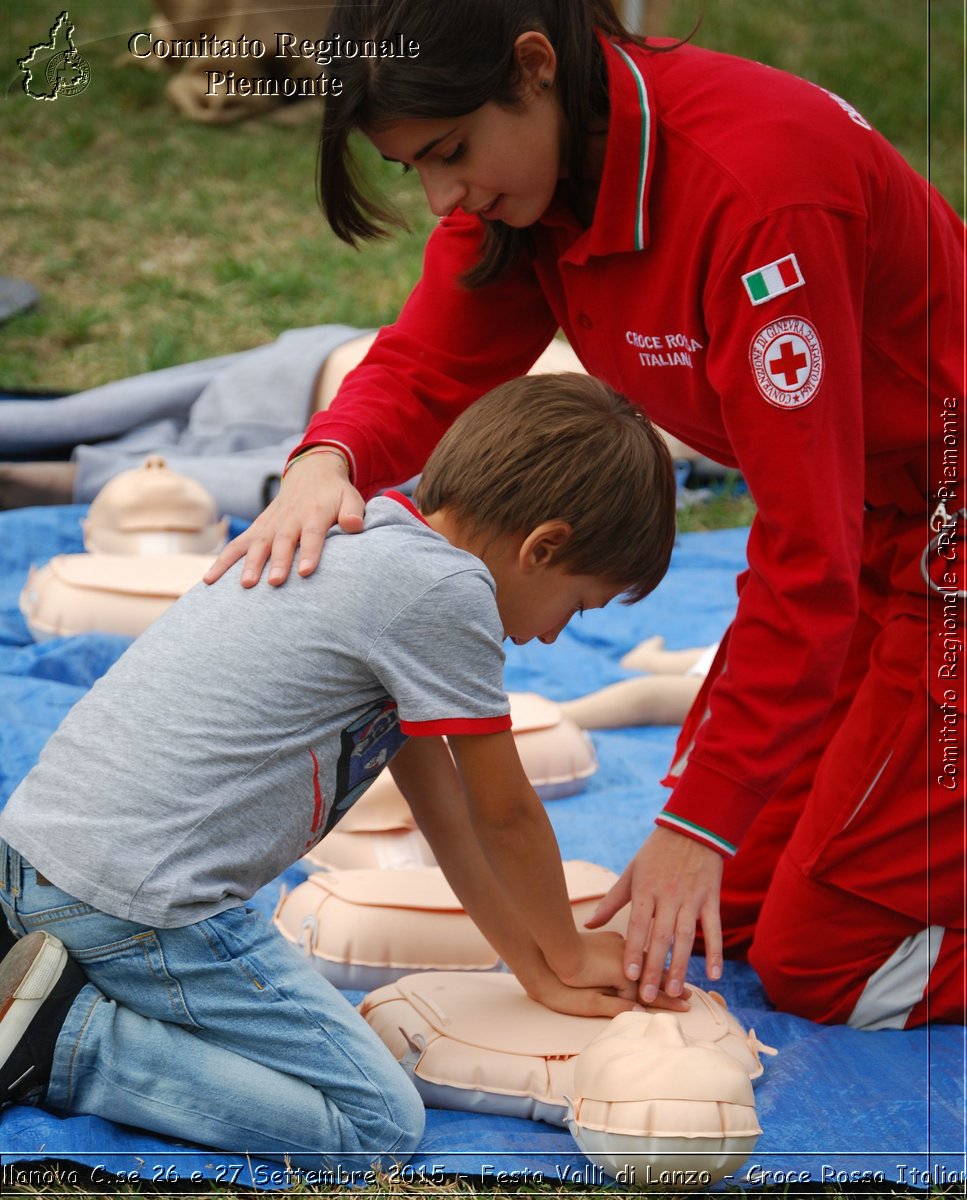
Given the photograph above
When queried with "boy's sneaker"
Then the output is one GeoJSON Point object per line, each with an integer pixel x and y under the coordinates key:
{"type": "Point", "coordinates": [38, 984]}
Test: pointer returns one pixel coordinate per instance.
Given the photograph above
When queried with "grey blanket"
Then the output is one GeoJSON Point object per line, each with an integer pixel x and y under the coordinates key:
{"type": "Point", "coordinates": [229, 422]}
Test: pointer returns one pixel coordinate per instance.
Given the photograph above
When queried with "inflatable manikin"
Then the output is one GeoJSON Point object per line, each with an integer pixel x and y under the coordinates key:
{"type": "Point", "coordinates": [653, 1103]}
{"type": "Point", "coordinates": [365, 928]}
{"type": "Point", "coordinates": [150, 535]}
{"type": "Point", "coordinates": [557, 756]}
{"type": "Point", "coordinates": [153, 510]}
{"type": "Point", "coordinates": [380, 830]}
{"type": "Point", "coordinates": [105, 593]}
{"type": "Point", "coordinates": [671, 1090]}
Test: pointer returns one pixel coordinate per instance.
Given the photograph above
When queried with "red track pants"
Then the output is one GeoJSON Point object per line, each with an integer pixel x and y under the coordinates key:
{"type": "Point", "coordinates": [847, 894]}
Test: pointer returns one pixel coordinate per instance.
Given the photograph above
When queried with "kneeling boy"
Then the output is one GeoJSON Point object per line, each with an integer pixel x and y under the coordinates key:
{"type": "Point", "coordinates": [233, 735]}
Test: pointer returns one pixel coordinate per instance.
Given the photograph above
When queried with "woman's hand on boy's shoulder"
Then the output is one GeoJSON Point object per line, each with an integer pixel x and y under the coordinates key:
{"type": "Point", "coordinates": [315, 495]}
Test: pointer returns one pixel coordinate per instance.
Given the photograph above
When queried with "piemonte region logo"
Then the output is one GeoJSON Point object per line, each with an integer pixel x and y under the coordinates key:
{"type": "Point", "coordinates": [64, 73]}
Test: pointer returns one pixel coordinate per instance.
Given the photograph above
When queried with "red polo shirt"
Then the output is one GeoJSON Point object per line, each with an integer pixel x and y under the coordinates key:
{"type": "Point", "coordinates": [756, 278]}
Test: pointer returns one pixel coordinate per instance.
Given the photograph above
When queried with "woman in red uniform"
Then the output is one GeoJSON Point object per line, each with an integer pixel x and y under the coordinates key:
{"type": "Point", "coordinates": [742, 254]}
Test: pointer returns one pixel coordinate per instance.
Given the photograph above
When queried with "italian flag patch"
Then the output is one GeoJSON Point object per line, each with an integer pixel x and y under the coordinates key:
{"type": "Point", "coordinates": [774, 279]}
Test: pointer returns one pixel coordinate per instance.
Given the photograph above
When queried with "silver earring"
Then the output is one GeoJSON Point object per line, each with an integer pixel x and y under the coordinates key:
{"type": "Point", "coordinates": [545, 84]}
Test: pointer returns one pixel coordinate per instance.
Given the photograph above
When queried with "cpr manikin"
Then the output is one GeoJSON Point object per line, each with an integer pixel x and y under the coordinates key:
{"type": "Point", "coordinates": [150, 535]}
{"type": "Point", "coordinates": [670, 1090]}
{"type": "Point", "coordinates": [367, 927]}
{"type": "Point", "coordinates": [154, 510]}
{"type": "Point", "coordinates": [654, 1103]}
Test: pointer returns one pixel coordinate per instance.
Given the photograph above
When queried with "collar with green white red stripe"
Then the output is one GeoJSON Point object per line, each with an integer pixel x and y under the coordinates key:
{"type": "Point", "coordinates": [621, 211]}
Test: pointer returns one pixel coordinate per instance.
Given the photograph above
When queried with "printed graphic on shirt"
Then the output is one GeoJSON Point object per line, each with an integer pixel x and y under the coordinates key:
{"type": "Point", "coordinates": [664, 349]}
{"type": "Point", "coordinates": [787, 362]}
{"type": "Point", "coordinates": [367, 746]}
{"type": "Point", "coordinates": [318, 805]}
{"type": "Point", "coordinates": [854, 114]}
{"type": "Point", "coordinates": [774, 279]}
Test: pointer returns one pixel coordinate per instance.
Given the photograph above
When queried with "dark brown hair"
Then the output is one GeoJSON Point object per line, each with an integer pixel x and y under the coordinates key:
{"type": "Point", "coordinates": [466, 59]}
{"type": "Point", "coordinates": [562, 447]}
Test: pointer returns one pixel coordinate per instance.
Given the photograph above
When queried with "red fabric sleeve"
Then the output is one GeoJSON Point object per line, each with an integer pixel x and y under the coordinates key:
{"type": "Point", "coordinates": [805, 469]}
{"type": "Point", "coordinates": [456, 725]}
{"type": "Point", "coordinates": [448, 347]}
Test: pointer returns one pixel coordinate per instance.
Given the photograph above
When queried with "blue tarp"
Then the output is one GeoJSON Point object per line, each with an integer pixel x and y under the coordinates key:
{"type": "Point", "coordinates": [835, 1106]}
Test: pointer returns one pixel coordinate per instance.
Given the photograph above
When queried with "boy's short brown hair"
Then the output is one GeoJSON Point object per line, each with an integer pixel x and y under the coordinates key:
{"type": "Point", "coordinates": [565, 447]}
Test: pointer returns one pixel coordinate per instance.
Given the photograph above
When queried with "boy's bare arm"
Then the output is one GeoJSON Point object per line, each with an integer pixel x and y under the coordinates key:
{"type": "Point", "coordinates": [519, 844]}
{"type": "Point", "coordinates": [425, 774]}
{"type": "Point", "coordinates": [512, 830]}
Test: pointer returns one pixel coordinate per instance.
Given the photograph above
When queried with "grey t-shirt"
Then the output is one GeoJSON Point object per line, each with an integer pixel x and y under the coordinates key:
{"type": "Point", "coordinates": [234, 733]}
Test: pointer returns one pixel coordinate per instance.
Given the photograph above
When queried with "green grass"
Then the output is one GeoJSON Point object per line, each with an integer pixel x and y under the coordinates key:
{"type": "Point", "coordinates": [155, 241]}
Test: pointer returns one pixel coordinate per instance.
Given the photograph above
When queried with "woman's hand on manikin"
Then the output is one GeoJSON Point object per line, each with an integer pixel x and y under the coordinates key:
{"type": "Point", "coordinates": [673, 885]}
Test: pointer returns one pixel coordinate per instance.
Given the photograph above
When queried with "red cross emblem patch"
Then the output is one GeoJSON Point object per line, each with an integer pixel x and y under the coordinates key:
{"type": "Point", "coordinates": [787, 362]}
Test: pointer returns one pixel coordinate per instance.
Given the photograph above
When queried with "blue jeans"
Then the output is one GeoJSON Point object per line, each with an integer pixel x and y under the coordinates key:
{"type": "Point", "coordinates": [217, 1033]}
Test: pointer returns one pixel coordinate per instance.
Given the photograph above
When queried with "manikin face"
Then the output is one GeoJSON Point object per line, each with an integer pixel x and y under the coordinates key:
{"type": "Point", "coordinates": [503, 164]}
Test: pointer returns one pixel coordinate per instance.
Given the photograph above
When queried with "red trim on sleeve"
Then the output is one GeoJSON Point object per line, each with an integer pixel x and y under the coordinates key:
{"type": "Point", "coordinates": [456, 725]}
{"type": "Point", "coordinates": [407, 503]}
